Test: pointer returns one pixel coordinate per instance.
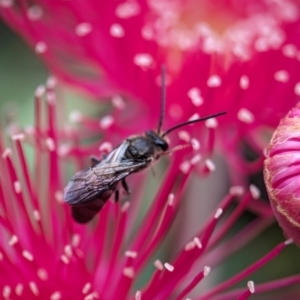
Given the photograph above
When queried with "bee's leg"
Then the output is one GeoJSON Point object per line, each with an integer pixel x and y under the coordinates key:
{"type": "Point", "coordinates": [125, 186]}
{"type": "Point", "coordinates": [153, 171]}
{"type": "Point", "coordinates": [94, 161]}
{"type": "Point", "coordinates": [117, 195]}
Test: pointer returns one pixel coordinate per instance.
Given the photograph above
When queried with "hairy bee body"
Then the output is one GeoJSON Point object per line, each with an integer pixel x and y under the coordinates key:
{"type": "Point", "coordinates": [89, 189]}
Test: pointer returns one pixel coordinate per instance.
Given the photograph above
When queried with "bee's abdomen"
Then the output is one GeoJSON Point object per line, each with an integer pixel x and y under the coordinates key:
{"type": "Point", "coordinates": [84, 213]}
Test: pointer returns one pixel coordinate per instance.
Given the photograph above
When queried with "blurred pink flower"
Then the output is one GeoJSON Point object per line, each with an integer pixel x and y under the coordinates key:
{"type": "Point", "coordinates": [237, 56]}
{"type": "Point", "coordinates": [44, 254]}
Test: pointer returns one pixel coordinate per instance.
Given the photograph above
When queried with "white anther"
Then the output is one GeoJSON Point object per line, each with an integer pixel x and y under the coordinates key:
{"type": "Point", "coordinates": [106, 122]}
{"type": "Point", "coordinates": [19, 289]}
{"type": "Point", "coordinates": [118, 102]}
{"type": "Point", "coordinates": [195, 144]}
{"type": "Point", "coordinates": [26, 254]}
{"type": "Point", "coordinates": [197, 242]}
{"type": "Point", "coordinates": [184, 135]}
{"type": "Point", "coordinates": [33, 287]}
{"type": "Point", "coordinates": [255, 192]}
{"type": "Point", "coordinates": [218, 213]}
{"type": "Point", "coordinates": [237, 191]}
{"type": "Point", "coordinates": [169, 267]}
{"type": "Point", "coordinates": [185, 166]}
{"type": "Point", "coordinates": [206, 271]}
{"type": "Point", "coordinates": [17, 187]}
{"type": "Point", "coordinates": [34, 12]}
{"type": "Point", "coordinates": [297, 89]}
{"type": "Point", "coordinates": [65, 259]}
{"type": "Point", "coordinates": [289, 50]}
{"type": "Point", "coordinates": [105, 147]}
{"type": "Point", "coordinates": [251, 286]}
{"type": "Point", "coordinates": [75, 240]}
{"type": "Point", "coordinates": [63, 150]}
{"type": "Point", "coordinates": [59, 197]}
{"type": "Point", "coordinates": [289, 241]}
{"type": "Point", "coordinates": [214, 81]}
{"type": "Point", "coordinates": [49, 142]}
{"type": "Point", "coordinates": [143, 60]}
{"type": "Point", "coordinates": [68, 251]}
{"type": "Point", "coordinates": [210, 165]}
{"type": "Point", "coordinates": [244, 82]}
{"type": "Point", "coordinates": [211, 123]}
{"type": "Point", "coordinates": [40, 91]}
{"type": "Point", "coordinates": [6, 291]}
{"type": "Point", "coordinates": [171, 199]}
{"type": "Point", "coordinates": [196, 159]}
{"type": "Point", "coordinates": [86, 288]}
{"type": "Point", "coordinates": [282, 76]}
{"type": "Point", "coordinates": [40, 47]}
{"type": "Point", "coordinates": [244, 115]}
{"type": "Point", "coordinates": [91, 296]}
{"type": "Point", "coordinates": [138, 295]}
{"type": "Point", "coordinates": [51, 84]}
{"type": "Point", "coordinates": [83, 29]}
{"type": "Point", "coordinates": [195, 95]}
{"type": "Point", "coordinates": [56, 295]}
{"type": "Point", "coordinates": [13, 240]}
{"type": "Point", "coordinates": [131, 254]}
{"type": "Point", "coordinates": [75, 117]}
{"type": "Point", "coordinates": [158, 265]}
{"type": "Point", "coordinates": [7, 152]}
{"type": "Point", "coordinates": [116, 30]}
{"type": "Point", "coordinates": [127, 9]}
{"type": "Point", "coordinates": [18, 137]}
{"type": "Point", "coordinates": [194, 117]}
{"type": "Point", "coordinates": [128, 272]}
{"type": "Point", "coordinates": [42, 274]}
{"type": "Point", "coordinates": [189, 246]}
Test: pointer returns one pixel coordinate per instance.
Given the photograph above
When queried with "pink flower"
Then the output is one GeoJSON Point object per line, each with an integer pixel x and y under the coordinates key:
{"type": "Point", "coordinates": [236, 56]}
{"type": "Point", "coordinates": [44, 254]}
{"type": "Point", "coordinates": [239, 57]}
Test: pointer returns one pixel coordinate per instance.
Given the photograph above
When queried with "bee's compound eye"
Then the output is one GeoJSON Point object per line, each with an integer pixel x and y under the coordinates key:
{"type": "Point", "coordinates": [163, 145]}
{"type": "Point", "coordinates": [133, 151]}
{"type": "Point", "coordinates": [157, 140]}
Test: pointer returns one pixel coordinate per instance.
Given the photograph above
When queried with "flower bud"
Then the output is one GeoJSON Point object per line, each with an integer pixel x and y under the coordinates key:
{"type": "Point", "coordinates": [282, 174]}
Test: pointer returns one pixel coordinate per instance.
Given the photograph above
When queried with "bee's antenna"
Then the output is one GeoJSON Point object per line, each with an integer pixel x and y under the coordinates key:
{"type": "Point", "coordinates": [192, 122]}
{"type": "Point", "coordinates": [163, 98]}
{"type": "Point", "coordinates": [176, 148]}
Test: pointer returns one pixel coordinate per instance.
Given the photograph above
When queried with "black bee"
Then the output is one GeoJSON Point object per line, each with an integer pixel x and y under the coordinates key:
{"type": "Point", "coordinates": [89, 189]}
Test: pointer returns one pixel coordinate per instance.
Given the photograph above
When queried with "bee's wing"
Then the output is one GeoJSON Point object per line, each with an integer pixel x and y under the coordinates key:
{"type": "Point", "coordinates": [87, 202]}
{"type": "Point", "coordinates": [87, 184]}
{"type": "Point", "coordinates": [100, 180]}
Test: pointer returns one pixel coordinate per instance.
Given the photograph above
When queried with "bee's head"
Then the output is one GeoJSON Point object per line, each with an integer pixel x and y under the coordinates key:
{"type": "Point", "coordinates": [157, 140]}
{"type": "Point", "coordinates": [151, 145]}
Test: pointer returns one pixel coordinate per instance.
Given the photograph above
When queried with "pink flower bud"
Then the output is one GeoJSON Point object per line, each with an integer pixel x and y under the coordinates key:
{"type": "Point", "coordinates": [282, 174]}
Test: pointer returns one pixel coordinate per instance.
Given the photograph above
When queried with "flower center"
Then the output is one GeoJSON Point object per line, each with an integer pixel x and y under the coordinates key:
{"type": "Point", "coordinates": [237, 28]}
